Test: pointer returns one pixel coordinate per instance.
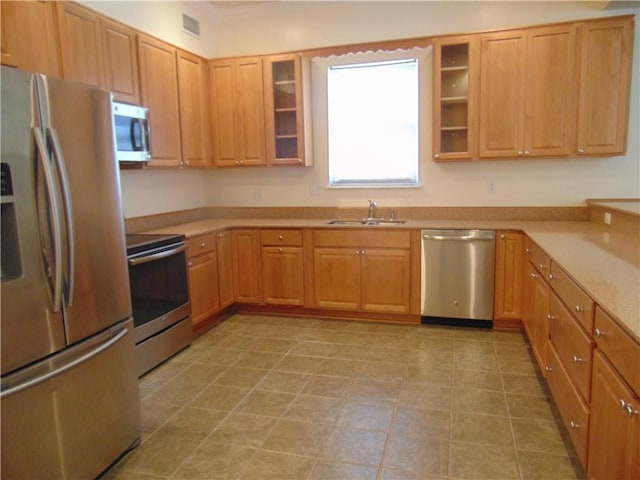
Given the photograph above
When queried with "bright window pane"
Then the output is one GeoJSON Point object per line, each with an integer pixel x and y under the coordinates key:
{"type": "Point", "coordinates": [373, 123]}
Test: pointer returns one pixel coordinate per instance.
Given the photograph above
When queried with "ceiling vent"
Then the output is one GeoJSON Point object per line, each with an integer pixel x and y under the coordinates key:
{"type": "Point", "coordinates": [190, 25]}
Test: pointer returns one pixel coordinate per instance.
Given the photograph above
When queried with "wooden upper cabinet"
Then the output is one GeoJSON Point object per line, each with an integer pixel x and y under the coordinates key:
{"type": "Point", "coordinates": [29, 39]}
{"type": "Point", "coordinates": [455, 93]}
{"type": "Point", "coordinates": [237, 111]}
{"type": "Point", "coordinates": [159, 93]}
{"type": "Point", "coordinates": [550, 102]}
{"type": "Point", "coordinates": [194, 109]}
{"type": "Point", "coordinates": [81, 44]}
{"type": "Point", "coordinates": [605, 79]}
{"type": "Point", "coordinates": [527, 98]}
{"type": "Point", "coordinates": [121, 61]}
{"type": "Point", "coordinates": [287, 119]}
{"type": "Point", "coordinates": [502, 94]}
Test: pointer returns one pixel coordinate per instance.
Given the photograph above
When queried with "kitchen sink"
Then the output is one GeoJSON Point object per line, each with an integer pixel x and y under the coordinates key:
{"type": "Point", "coordinates": [366, 221]}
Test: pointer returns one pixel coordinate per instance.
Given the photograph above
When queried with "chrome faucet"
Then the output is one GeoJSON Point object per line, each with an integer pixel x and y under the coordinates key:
{"type": "Point", "coordinates": [372, 208]}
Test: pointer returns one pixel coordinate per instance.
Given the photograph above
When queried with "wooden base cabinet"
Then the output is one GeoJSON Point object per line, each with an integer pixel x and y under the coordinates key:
{"type": "Point", "coordinates": [225, 268]}
{"type": "Point", "coordinates": [202, 268]}
{"type": "Point", "coordinates": [535, 311]}
{"type": "Point", "coordinates": [247, 275]}
{"type": "Point", "coordinates": [614, 440]}
{"type": "Point", "coordinates": [282, 267]}
{"type": "Point", "coordinates": [507, 313]}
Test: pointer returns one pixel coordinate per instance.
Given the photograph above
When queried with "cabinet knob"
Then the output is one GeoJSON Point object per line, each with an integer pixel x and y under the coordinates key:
{"type": "Point", "coordinates": [281, 250]}
{"type": "Point", "coordinates": [437, 156]}
{"type": "Point", "coordinates": [552, 277]}
{"type": "Point", "coordinates": [186, 162]}
{"type": "Point", "coordinates": [551, 317]}
{"type": "Point", "coordinates": [533, 275]}
{"type": "Point", "coordinates": [300, 162]}
{"type": "Point", "coordinates": [527, 152]}
{"type": "Point", "coordinates": [203, 244]}
{"type": "Point", "coordinates": [281, 238]}
{"type": "Point", "coordinates": [599, 333]}
{"type": "Point", "coordinates": [502, 235]}
{"type": "Point", "coordinates": [363, 252]}
{"type": "Point", "coordinates": [579, 309]}
{"type": "Point", "coordinates": [581, 150]}
{"type": "Point", "coordinates": [220, 235]}
{"type": "Point", "coordinates": [190, 264]}
{"type": "Point", "coordinates": [573, 424]}
{"type": "Point", "coordinates": [577, 359]}
{"type": "Point", "coordinates": [527, 250]}
{"type": "Point", "coordinates": [548, 369]}
{"type": "Point", "coordinates": [541, 266]}
{"type": "Point", "coordinates": [520, 153]}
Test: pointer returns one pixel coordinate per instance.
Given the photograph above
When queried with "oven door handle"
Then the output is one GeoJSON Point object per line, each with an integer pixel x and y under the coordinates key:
{"type": "Point", "coordinates": [156, 256]}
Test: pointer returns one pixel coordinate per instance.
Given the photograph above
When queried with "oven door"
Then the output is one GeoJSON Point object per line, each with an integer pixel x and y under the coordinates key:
{"type": "Point", "coordinates": [159, 289]}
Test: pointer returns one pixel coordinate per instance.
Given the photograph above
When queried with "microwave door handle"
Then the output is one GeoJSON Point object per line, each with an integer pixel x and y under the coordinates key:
{"type": "Point", "coordinates": [68, 212]}
{"type": "Point", "coordinates": [55, 214]}
{"type": "Point", "coordinates": [136, 147]}
{"type": "Point", "coordinates": [144, 133]}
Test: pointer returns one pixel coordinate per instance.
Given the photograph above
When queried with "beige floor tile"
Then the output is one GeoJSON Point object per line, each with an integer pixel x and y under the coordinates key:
{"type": "Point", "coordinates": [220, 356]}
{"type": "Point", "coordinates": [275, 345]}
{"type": "Point", "coordinates": [475, 400]}
{"type": "Point", "coordinates": [298, 364]}
{"type": "Point", "coordinates": [432, 343]}
{"type": "Point", "coordinates": [511, 349]}
{"type": "Point", "coordinates": [367, 390]}
{"type": "Point", "coordinates": [265, 402]}
{"type": "Point", "coordinates": [312, 349]}
{"type": "Point", "coordinates": [539, 436]}
{"type": "Point", "coordinates": [473, 334]}
{"type": "Point", "coordinates": [288, 382]}
{"type": "Point", "coordinates": [519, 366]}
{"type": "Point", "coordinates": [202, 373]}
{"type": "Point", "coordinates": [238, 342]}
{"type": "Point", "coordinates": [478, 379]}
{"type": "Point", "coordinates": [271, 465]}
{"type": "Point", "coordinates": [244, 429]}
{"type": "Point", "coordinates": [428, 456]}
{"type": "Point", "coordinates": [434, 358]}
{"type": "Point", "coordinates": [297, 437]}
{"type": "Point", "coordinates": [366, 416]}
{"type": "Point", "coordinates": [326, 386]}
{"type": "Point", "coordinates": [536, 465]}
{"type": "Point", "coordinates": [524, 384]}
{"type": "Point", "coordinates": [178, 392]}
{"type": "Point", "coordinates": [263, 360]}
{"type": "Point", "coordinates": [472, 347]}
{"type": "Point", "coordinates": [436, 377]}
{"type": "Point", "coordinates": [425, 396]}
{"type": "Point", "coordinates": [216, 461]}
{"type": "Point", "coordinates": [155, 413]}
{"type": "Point", "coordinates": [529, 406]}
{"type": "Point", "coordinates": [314, 408]}
{"type": "Point", "coordinates": [325, 470]}
{"type": "Point", "coordinates": [340, 368]}
{"type": "Point", "coordinates": [241, 377]}
{"type": "Point", "coordinates": [474, 461]}
{"type": "Point", "coordinates": [219, 397]}
{"type": "Point", "coordinates": [197, 421]}
{"type": "Point", "coordinates": [119, 473]}
{"type": "Point", "coordinates": [435, 331]}
{"type": "Point", "coordinates": [354, 445]}
{"type": "Point", "coordinates": [417, 424]}
{"type": "Point", "coordinates": [482, 429]}
{"type": "Point", "coordinates": [386, 372]}
{"type": "Point", "coordinates": [475, 361]}
{"type": "Point", "coordinates": [397, 474]}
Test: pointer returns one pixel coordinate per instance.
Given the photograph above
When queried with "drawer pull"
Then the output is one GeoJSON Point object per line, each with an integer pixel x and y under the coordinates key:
{"type": "Point", "coordinates": [577, 359]}
{"type": "Point", "coordinates": [220, 235]}
{"type": "Point", "coordinates": [191, 264]}
{"type": "Point", "coordinates": [630, 411]}
{"type": "Point", "coordinates": [573, 424]}
{"type": "Point", "coordinates": [551, 317]}
{"type": "Point", "coordinates": [599, 333]}
{"type": "Point", "coordinates": [552, 277]}
{"type": "Point", "coordinates": [542, 266]}
{"type": "Point", "coordinates": [281, 250]}
{"type": "Point", "coordinates": [281, 238]}
{"type": "Point", "coordinates": [527, 250]}
{"type": "Point", "coordinates": [502, 235]}
{"type": "Point", "coordinates": [203, 244]}
{"type": "Point", "coordinates": [533, 275]}
{"type": "Point", "coordinates": [579, 309]}
{"type": "Point", "coordinates": [548, 369]}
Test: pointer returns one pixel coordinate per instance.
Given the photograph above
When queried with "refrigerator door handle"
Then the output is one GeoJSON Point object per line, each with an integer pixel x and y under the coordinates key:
{"type": "Point", "coordinates": [54, 373]}
{"type": "Point", "coordinates": [68, 211]}
{"type": "Point", "coordinates": [56, 221]}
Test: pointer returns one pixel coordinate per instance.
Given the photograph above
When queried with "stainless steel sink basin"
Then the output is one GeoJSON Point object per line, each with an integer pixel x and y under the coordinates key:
{"type": "Point", "coordinates": [366, 221]}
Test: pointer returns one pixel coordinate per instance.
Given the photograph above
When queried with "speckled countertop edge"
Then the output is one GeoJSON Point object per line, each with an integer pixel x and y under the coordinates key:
{"type": "Point", "coordinates": [608, 271]}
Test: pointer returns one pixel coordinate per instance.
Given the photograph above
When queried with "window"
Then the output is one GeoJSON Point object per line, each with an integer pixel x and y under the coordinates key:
{"type": "Point", "coordinates": [373, 135]}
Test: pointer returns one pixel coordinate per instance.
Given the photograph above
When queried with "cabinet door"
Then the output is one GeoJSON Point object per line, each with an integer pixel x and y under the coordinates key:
{"type": "Point", "coordinates": [194, 109]}
{"type": "Point", "coordinates": [336, 278]}
{"type": "Point", "coordinates": [456, 69]}
{"type": "Point", "coordinates": [550, 91]}
{"type": "Point", "coordinates": [250, 111]}
{"type": "Point", "coordinates": [81, 44]}
{"type": "Point", "coordinates": [223, 123]}
{"type": "Point", "coordinates": [203, 286]}
{"type": "Point", "coordinates": [614, 438]}
{"type": "Point", "coordinates": [282, 275]}
{"type": "Point", "coordinates": [502, 94]}
{"type": "Point", "coordinates": [246, 266]}
{"type": "Point", "coordinates": [121, 61]}
{"type": "Point", "coordinates": [385, 280]}
{"type": "Point", "coordinates": [536, 306]}
{"type": "Point", "coordinates": [225, 268]}
{"type": "Point", "coordinates": [508, 280]}
{"type": "Point", "coordinates": [605, 78]}
{"type": "Point", "coordinates": [285, 123]}
{"type": "Point", "coordinates": [159, 89]}
{"type": "Point", "coordinates": [29, 36]}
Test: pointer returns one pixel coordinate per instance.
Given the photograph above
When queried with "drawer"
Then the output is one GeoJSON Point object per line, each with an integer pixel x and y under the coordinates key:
{"type": "Point", "coordinates": [537, 257]}
{"type": "Point", "coordinates": [575, 413]}
{"type": "Point", "coordinates": [573, 297]}
{"type": "Point", "coordinates": [573, 345]}
{"type": "Point", "coordinates": [201, 244]}
{"type": "Point", "coordinates": [620, 348]}
{"type": "Point", "coordinates": [362, 237]}
{"type": "Point", "coordinates": [281, 236]}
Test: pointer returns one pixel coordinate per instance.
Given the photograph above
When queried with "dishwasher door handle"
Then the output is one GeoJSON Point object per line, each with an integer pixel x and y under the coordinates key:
{"type": "Point", "coordinates": [458, 238]}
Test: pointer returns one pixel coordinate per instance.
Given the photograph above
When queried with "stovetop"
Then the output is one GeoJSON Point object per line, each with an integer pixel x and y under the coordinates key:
{"type": "Point", "coordinates": [139, 242]}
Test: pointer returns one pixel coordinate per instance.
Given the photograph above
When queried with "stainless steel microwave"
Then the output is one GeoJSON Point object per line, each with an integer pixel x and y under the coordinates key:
{"type": "Point", "coordinates": [132, 133]}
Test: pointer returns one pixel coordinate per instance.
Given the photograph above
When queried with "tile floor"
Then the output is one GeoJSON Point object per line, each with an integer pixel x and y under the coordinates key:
{"type": "Point", "coordinates": [261, 397]}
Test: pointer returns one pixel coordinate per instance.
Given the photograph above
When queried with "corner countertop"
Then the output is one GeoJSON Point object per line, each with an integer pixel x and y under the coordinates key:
{"type": "Point", "coordinates": [604, 265]}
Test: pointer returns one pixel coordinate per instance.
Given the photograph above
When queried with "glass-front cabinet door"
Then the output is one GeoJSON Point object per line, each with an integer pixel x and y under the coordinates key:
{"type": "Point", "coordinates": [455, 98]}
{"type": "Point", "coordinates": [285, 101]}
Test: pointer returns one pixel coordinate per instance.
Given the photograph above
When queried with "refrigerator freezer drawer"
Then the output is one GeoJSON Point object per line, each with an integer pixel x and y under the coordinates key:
{"type": "Point", "coordinates": [81, 418]}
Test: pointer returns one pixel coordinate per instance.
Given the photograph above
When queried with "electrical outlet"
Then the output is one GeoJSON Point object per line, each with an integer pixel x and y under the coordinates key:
{"type": "Point", "coordinates": [607, 218]}
{"type": "Point", "coordinates": [491, 187]}
{"type": "Point", "coordinates": [258, 194]}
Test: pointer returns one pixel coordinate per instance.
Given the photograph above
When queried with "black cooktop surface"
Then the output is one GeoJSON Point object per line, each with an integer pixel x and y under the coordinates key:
{"type": "Point", "coordinates": [140, 242]}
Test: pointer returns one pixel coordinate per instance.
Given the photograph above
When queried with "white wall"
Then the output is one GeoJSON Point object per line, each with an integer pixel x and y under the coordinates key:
{"type": "Point", "coordinates": [286, 26]}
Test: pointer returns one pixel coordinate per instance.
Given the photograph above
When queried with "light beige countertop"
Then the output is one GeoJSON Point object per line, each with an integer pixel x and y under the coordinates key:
{"type": "Point", "coordinates": [628, 206]}
{"type": "Point", "coordinates": [607, 267]}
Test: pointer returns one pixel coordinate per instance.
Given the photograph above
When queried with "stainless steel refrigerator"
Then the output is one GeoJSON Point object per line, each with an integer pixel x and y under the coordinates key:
{"type": "Point", "coordinates": [69, 394]}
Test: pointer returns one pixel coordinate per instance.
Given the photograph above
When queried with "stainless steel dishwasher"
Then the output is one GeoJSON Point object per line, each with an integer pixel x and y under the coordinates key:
{"type": "Point", "coordinates": [457, 276]}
